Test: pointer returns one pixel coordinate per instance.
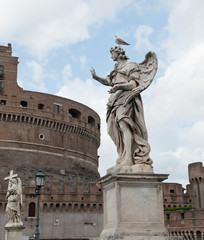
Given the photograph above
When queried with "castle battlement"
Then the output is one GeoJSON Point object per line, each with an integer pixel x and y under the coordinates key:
{"type": "Point", "coordinates": [6, 50]}
{"type": "Point", "coordinates": [196, 171]}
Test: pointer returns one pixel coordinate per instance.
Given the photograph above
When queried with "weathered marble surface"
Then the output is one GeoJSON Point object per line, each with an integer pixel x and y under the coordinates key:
{"type": "Point", "coordinates": [133, 207]}
{"type": "Point", "coordinates": [14, 233]}
{"type": "Point", "coordinates": [14, 200]}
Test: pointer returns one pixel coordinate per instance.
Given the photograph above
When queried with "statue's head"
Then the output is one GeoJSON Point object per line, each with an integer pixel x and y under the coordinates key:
{"type": "Point", "coordinates": [14, 181]}
{"type": "Point", "coordinates": [120, 51]}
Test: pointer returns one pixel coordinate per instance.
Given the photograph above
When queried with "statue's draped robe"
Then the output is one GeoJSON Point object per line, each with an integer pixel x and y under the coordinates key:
{"type": "Point", "coordinates": [132, 114]}
{"type": "Point", "coordinates": [13, 205]}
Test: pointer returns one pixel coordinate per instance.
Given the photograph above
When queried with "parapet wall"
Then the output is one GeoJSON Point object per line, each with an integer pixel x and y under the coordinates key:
{"type": "Point", "coordinates": [72, 197]}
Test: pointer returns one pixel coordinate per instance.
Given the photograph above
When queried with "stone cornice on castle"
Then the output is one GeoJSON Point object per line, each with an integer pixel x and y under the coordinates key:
{"type": "Point", "coordinates": [50, 124]}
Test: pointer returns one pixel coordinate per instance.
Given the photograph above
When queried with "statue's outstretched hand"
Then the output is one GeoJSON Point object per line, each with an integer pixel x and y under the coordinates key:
{"type": "Point", "coordinates": [93, 73]}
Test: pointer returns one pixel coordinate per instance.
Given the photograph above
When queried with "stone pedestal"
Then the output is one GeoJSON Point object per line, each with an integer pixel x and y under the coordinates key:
{"type": "Point", "coordinates": [133, 206]}
{"type": "Point", "coordinates": [14, 233]}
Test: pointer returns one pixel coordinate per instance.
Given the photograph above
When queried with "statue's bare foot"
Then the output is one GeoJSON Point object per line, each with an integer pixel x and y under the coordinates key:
{"type": "Point", "coordinates": [127, 162]}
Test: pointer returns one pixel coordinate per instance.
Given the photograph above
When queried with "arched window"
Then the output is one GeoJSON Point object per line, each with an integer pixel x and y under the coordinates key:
{"type": "Point", "coordinates": [91, 120]}
{"type": "Point", "coordinates": [75, 207]}
{"type": "Point", "coordinates": [31, 211]}
{"type": "Point", "coordinates": [63, 206]}
{"type": "Point", "coordinates": [51, 206]}
{"type": "Point", "coordinates": [198, 235]}
{"type": "Point", "coordinates": [192, 234]}
{"type": "Point", "coordinates": [100, 207]}
{"type": "Point", "coordinates": [82, 206]}
{"type": "Point", "coordinates": [44, 206]}
{"type": "Point", "coordinates": [94, 206]}
{"type": "Point", "coordinates": [23, 104]}
{"type": "Point", "coordinates": [73, 113]}
{"type": "Point", "coordinates": [70, 207]}
{"type": "Point", "coordinates": [88, 206]}
{"type": "Point", "coordinates": [57, 206]}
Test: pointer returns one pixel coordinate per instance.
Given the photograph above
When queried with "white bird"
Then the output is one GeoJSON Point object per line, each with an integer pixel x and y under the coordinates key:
{"type": "Point", "coordinates": [119, 41]}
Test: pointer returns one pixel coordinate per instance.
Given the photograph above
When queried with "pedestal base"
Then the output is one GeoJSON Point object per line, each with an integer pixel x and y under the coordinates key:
{"type": "Point", "coordinates": [139, 236]}
{"type": "Point", "coordinates": [133, 206]}
{"type": "Point", "coordinates": [14, 233]}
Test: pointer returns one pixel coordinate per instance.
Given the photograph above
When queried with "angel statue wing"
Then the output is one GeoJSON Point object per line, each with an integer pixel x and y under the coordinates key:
{"type": "Point", "coordinates": [147, 70]}
{"type": "Point", "coordinates": [19, 190]}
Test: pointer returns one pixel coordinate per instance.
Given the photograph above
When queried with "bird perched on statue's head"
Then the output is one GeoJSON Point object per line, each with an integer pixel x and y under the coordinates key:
{"type": "Point", "coordinates": [119, 41]}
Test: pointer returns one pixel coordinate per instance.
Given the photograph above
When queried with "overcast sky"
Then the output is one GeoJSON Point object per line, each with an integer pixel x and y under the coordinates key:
{"type": "Point", "coordinates": [58, 41]}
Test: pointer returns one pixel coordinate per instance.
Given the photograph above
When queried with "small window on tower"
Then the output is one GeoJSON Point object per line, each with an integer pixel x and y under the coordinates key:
{"type": "Point", "coordinates": [41, 106]}
{"type": "Point", "coordinates": [1, 88]}
{"type": "Point", "coordinates": [3, 102]}
{"type": "Point", "coordinates": [91, 120]}
{"type": "Point", "coordinates": [57, 109]}
{"type": "Point", "coordinates": [1, 71]}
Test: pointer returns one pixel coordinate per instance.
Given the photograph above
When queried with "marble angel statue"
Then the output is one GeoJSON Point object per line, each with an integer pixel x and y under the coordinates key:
{"type": "Point", "coordinates": [125, 116]}
{"type": "Point", "coordinates": [14, 200]}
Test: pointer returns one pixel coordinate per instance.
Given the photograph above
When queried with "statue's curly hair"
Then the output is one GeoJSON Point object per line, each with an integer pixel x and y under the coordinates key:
{"type": "Point", "coordinates": [120, 51]}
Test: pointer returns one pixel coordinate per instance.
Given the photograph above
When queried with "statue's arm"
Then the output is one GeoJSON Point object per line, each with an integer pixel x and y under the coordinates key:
{"type": "Point", "coordinates": [123, 86]}
{"type": "Point", "coordinates": [104, 81]}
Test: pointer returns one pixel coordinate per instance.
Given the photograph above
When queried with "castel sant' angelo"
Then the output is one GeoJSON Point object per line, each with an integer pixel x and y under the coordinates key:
{"type": "Point", "coordinates": [61, 137]}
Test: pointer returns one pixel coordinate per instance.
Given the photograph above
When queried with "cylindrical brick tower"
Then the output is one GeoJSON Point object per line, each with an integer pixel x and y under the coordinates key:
{"type": "Point", "coordinates": [43, 131]}
{"type": "Point", "coordinates": [196, 178]}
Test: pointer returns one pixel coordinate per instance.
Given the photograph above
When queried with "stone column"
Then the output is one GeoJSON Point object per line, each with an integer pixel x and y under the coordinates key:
{"type": "Point", "coordinates": [133, 207]}
{"type": "Point", "coordinates": [14, 233]}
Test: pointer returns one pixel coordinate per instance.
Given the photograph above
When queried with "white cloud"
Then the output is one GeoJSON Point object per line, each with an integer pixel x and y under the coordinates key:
{"type": "Point", "coordinates": [174, 114]}
{"type": "Point", "coordinates": [142, 33]}
{"type": "Point", "coordinates": [83, 61]}
{"type": "Point", "coordinates": [45, 25]}
{"type": "Point", "coordinates": [174, 106]}
{"type": "Point", "coordinates": [185, 27]}
{"type": "Point", "coordinates": [176, 163]}
{"type": "Point", "coordinates": [192, 136]}
{"type": "Point", "coordinates": [179, 93]}
{"type": "Point", "coordinates": [36, 76]}
{"type": "Point", "coordinates": [67, 73]}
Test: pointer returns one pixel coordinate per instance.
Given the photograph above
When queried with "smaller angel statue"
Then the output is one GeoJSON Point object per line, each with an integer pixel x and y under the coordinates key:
{"type": "Point", "coordinates": [125, 115]}
{"type": "Point", "coordinates": [14, 200]}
